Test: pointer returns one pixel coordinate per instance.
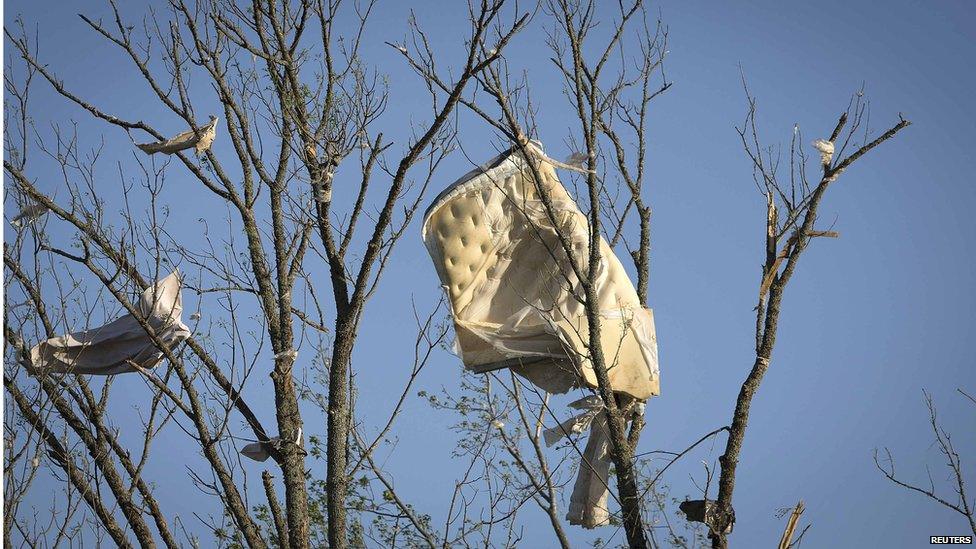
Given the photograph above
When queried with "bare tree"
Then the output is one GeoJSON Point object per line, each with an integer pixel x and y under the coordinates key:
{"type": "Point", "coordinates": [791, 216]}
{"type": "Point", "coordinates": [961, 503]}
{"type": "Point", "coordinates": [301, 109]}
{"type": "Point", "coordinates": [609, 96]}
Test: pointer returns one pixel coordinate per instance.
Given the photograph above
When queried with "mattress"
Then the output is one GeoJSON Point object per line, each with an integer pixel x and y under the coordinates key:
{"type": "Point", "coordinates": [515, 299]}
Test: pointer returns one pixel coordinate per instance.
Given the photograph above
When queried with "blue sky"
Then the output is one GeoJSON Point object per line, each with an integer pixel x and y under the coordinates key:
{"type": "Point", "coordinates": [869, 320]}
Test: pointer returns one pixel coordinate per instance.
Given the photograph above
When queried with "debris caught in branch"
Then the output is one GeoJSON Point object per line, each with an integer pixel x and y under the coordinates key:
{"type": "Point", "coordinates": [261, 450]}
{"type": "Point", "coordinates": [701, 510]}
{"type": "Point", "coordinates": [288, 353]}
{"type": "Point", "coordinates": [122, 345]}
{"type": "Point", "coordinates": [29, 214]}
{"type": "Point", "coordinates": [198, 138]}
{"type": "Point", "coordinates": [509, 260]}
{"type": "Point", "coordinates": [577, 159]}
{"type": "Point", "coordinates": [826, 149]}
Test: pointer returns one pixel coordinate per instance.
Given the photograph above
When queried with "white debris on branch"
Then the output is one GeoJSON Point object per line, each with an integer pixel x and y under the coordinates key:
{"type": "Point", "coordinates": [261, 450]}
{"type": "Point", "coordinates": [826, 149]}
{"type": "Point", "coordinates": [513, 308]}
{"type": "Point", "coordinates": [577, 159]}
{"type": "Point", "coordinates": [290, 353]}
{"type": "Point", "coordinates": [28, 215]}
{"type": "Point", "coordinates": [122, 345]}
{"type": "Point", "coordinates": [198, 138]}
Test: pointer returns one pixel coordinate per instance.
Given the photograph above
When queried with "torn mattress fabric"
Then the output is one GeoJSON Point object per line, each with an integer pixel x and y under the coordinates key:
{"type": "Point", "coordinates": [513, 292]}
{"type": "Point", "coordinates": [121, 345]}
{"type": "Point", "coordinates": [501, 256]}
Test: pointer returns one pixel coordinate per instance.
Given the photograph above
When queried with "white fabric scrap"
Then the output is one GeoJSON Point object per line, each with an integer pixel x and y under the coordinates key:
{"type": "Point", "coordinates": [122, 345]}
{"type": "Point", "coordinates": [29, 214]}
{"type": "Point", "coordinates": [260, 450]}
{"type": "Point", "coordinates": [591, 406]}
{"type": "Point", "coordinates": [577, 159]}
{"type": "Point", "coordinates": [826, 149]}
{"type": "Point", "coordinates": [289, 353]}
{"type": "Point", "coordinates": [200, 139]}
{"type": "Point", "coordinates": [257, 450]}
{"type": "Point", "coordinates": [588, 502]}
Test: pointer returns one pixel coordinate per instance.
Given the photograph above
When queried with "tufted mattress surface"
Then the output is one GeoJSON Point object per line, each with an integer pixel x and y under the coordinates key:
{"type": "Point", "coordinates": [514, 295]}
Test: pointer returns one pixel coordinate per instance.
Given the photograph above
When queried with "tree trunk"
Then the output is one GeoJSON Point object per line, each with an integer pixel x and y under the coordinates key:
{"type": "Point", "coordinates": [337, 484]}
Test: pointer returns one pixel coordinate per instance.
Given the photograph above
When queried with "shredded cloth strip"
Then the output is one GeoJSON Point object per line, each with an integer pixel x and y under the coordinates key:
{"type": "Point", "coordinates": [516, 301]}
{"type": "Point", "coordinates": [199, 138]}
{"type": "Point", "coordinates": [121, 345]}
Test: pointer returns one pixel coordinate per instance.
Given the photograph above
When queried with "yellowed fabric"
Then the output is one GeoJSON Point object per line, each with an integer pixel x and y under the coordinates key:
{"type": "Point", "coordinates": [588, 502]}
{"type": "Point", "coordinates": [115, 347]}
{"type": "Point", "coordinates": [199, 139]}
{"type": "Point", "coordinates": [515, 300]}
{"type": "Point", "coordinates": [513, 293]}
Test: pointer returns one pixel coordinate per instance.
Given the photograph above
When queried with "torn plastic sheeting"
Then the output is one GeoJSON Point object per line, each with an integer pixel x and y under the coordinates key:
{"type": "Point", "coordinates": [288, 353]}
{"type": "Point", "coordinates": [122, 345]}
{"type": "Point", "coordinates": [588, 502]}
{"type": "Point", "coordinates": [591, 406]}
{"type": "Point", "coordinates": [200, 138]}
